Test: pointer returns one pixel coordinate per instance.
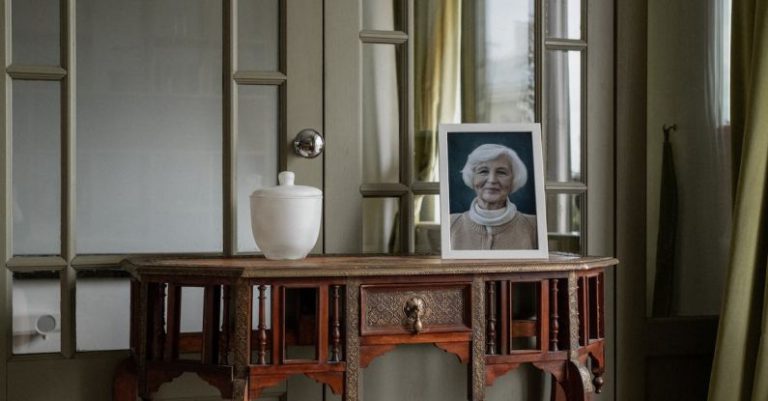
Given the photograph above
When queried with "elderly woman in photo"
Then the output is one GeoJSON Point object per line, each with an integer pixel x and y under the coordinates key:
{"type": "Point", "coordinates": [494, 172]}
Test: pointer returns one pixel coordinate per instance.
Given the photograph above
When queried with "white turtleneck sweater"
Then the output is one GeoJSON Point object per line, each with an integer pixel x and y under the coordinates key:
{"type": "Point", "coordinates": [481, 229]}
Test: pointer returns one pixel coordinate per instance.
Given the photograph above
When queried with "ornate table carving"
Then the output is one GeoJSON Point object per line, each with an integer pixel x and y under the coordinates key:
{"type": "Point", "coordinates": [364, 307]}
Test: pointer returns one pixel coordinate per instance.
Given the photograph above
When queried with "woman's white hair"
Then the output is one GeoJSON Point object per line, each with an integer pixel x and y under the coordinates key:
{"type": "Point", "coordinates": [488, 152]}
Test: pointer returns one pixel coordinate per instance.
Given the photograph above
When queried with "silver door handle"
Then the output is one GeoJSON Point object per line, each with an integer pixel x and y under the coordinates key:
{"type": "Point", "coordinates": [308, 143]}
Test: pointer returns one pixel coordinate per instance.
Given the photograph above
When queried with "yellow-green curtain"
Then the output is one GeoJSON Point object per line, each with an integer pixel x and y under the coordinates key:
{"type": "Point", "coordinates": [437, 60]}
{"type": "Point", "coordinates": [740, 367]}
{"type": "Point", "coordinates": [437, 64]}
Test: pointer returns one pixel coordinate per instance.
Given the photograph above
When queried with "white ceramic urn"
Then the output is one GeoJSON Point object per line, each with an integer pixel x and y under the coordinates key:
{"type": "Point", "coordinates": [286, 219]}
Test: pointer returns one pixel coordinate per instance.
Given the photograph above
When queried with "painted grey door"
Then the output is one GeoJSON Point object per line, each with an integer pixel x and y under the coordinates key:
{"type": "Point", "coordinates": [131, 128]}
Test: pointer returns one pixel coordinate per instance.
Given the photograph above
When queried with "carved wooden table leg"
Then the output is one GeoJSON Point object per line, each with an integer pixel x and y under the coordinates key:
{"type": "Point", "coordinates": [597, 359]}
{"type": "Point", "coordinates": [579, 382]}
{"type": "Point", "coordinates": [557, 370]}
{"type": "Point", "coordinates": [125, 386]}
{"type": "Point", "coordinates": [352, 351]}
{"type": "Point", "coordinates": [242, 340]}
{"type": "Point", "coordinates": [125, 383]}
{"type": "Point", "coordinates": [570, 381]}
{"type": "Point", "coordinates": [143, 341]}
{"type": "Point", "coordinates": [558, 392]}
{"type": "Point", "coordinates": [477, 370]}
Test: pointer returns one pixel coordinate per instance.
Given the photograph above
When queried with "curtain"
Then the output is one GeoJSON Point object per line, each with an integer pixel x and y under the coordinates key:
{"type": "Point", "coordinates": [740, 367]}
{"type": "Point", "coordinates": [438, 55]}
{"type": "Point", "coordinates": [381, 121]}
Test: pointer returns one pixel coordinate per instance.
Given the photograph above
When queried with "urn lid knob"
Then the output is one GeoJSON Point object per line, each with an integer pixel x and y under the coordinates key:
{"type": "Point", "coordinates": [286, 178]}
{"type": "Point", "coordinates": [287, 189]}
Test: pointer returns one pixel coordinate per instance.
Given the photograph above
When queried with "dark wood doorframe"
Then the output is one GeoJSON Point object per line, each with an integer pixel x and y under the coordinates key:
{"type": "Point", "coordinates": [630, 131]}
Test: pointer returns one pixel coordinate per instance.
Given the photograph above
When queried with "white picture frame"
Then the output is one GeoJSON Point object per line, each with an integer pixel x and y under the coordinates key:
{"type": "Point", "coordinates": [467, 228]}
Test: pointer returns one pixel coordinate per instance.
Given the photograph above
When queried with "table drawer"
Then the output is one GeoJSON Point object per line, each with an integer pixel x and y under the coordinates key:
{"type": "Point", "coordinates": [415, 308]}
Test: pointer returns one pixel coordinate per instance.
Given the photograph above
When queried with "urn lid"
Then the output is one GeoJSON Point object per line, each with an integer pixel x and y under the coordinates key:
{"type": "Point", "coordinates": [286, 189]}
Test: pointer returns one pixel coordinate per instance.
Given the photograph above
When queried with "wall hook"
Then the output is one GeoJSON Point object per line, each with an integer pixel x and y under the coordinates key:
{"type": "Point", "coordinates": [668, 129]}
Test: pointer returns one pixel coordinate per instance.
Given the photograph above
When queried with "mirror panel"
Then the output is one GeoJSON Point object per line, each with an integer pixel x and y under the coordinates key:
{"type": "Point", "coordinates": [191, 322]}
{"type": "Point", "coordinates": [36, 168]}
{"type": "Point", "coordinates": [36, 32]}
{"type": "Point", "coordinates": [479, 68]}
{"type": "Point", "coordinates": [564, 221]}
{"type": "Point", "coordinates": [149, 126]}
{"type": "Point", "coordinates": [258, 35]}
{"type": "Point", "coordinates": [300, 324]}
{"type": "Point", "coordinates": [381, 15]}
{"type": "Point", "coordinates": [563, 19]}
{"type": "Point", "coordinates": [258, 121]}
{"type": "Point", "coordinates": [103, 310]}
{"type": "Point", "coordinates": [563, 126]}
{"type": "Point", "coordinates": [427, 224]}
{"type": "Point", "coordinates": [381, 114]}
{"type": "Point", "coordinates": [380, 222]}
{"type": "Point", "coordinates": [36, 320]}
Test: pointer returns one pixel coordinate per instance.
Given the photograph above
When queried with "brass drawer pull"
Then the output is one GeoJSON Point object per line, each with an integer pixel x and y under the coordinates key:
{"type": "Point", "coordinates": [414, 308]}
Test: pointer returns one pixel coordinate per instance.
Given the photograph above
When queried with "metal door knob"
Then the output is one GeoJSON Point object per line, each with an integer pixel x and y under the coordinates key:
{"type": "Point", "coordinates": [308, 143]}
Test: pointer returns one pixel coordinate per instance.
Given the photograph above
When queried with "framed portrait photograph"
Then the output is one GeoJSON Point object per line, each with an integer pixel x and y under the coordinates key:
{"type": "Point", "coordinates": [492, 203]}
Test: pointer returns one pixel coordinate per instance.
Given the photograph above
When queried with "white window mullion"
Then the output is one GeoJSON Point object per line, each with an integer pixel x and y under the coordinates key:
{"type": "Point", "coordinates": [569, 43]}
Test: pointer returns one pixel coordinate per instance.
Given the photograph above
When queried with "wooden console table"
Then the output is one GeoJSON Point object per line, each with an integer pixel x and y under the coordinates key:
{"type": "Point", "coordinates": [362, 307]}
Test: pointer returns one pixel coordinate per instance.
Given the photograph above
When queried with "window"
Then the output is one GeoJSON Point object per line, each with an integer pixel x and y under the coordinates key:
{"type": "Point", "coordinates": [431, 62]}
{"type": "Point", "coordinates": [124, 142]}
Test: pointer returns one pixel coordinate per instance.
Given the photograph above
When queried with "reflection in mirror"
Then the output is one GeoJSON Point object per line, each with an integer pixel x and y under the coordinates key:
{"type": "Point", "coordinates": [523, 328]}
{"type": "Point", "coordinates": [36, 167]}
{"type": "Point", "coordinates": [149, 124]}
{"type": "Point", "coordinates": [35, 32]}
{"type": "Point", "coordinates": [191, 322]}
{"type": "Point", "coordinates": [427, 223]}
{"type": "Point", "coordinates": [563, 19]}
{"type": "Point", "coordinates": [102, 314]}
{"type": "Point", "coordinates": [36, 320]}
{"type": "Point", "coordinates": [563, 94]}
{"type": "Point", "coordinates": [300, 324]}
{"type": "Point", "coordinates": [474, 62]}
{"type": "Point", "coordinates": [381, 114]}
{"type": "Point", "coordinates": [380, 15]}
{"type": "Point", "coordinates": [258, 33]}
{"type": "Point", "coordinates": [564, 219]}
{"type": "Point", "coordinates": [380, 222]}
{"type": "Point", "coordinates": [257, 149]}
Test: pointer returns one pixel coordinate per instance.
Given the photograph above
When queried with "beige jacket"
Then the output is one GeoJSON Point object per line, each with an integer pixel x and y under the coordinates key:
{"type": "Point", "coordinates": [518, 233]}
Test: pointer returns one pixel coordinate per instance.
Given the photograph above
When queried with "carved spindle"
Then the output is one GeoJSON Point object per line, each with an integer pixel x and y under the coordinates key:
{"type": "Point", "coordinates": [582, 311]}
{"type": "Point", "coordinates": [158, 321]}
{"type": "Point", "coordinates": [598, 382]}
{"type": "Point", "coordinates": [336, 326]}
{"type": "Point", "coordinates": [225, 326]}
{"type": "Point", "coordinates": [262, 329]}
{"type": "Point", "coordinates": [598, 314]}
{"type": "Point", "coordinates": [491, 318]}
{"type": "Point", "coordinates": [554, 317]}
{"type": "Point", "coordinates": [173, 321]}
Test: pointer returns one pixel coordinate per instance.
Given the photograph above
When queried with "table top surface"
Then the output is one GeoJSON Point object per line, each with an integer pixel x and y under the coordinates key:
{"type": "Point", "coordinates": [355, 266]}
